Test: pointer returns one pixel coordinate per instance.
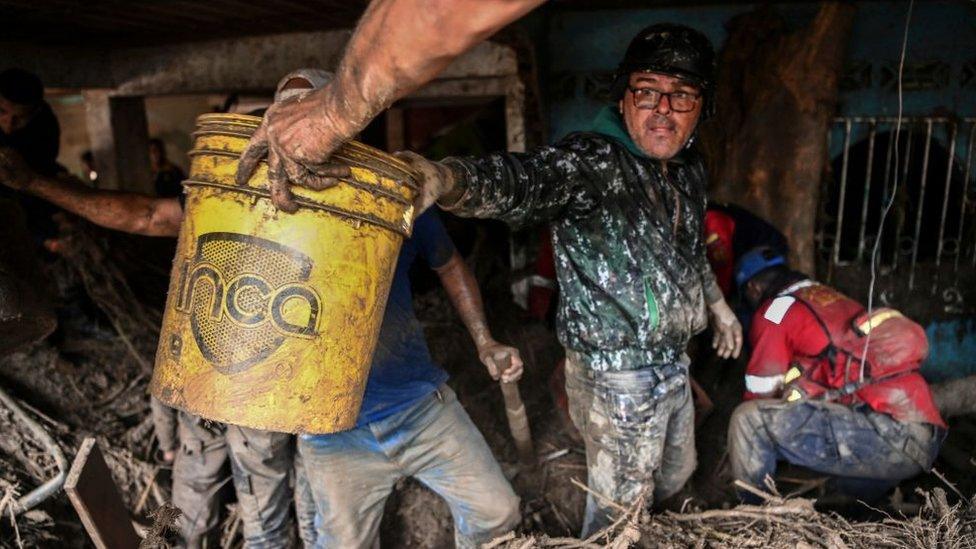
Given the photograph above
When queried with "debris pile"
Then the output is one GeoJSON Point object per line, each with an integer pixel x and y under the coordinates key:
{"type": "Point", "coordinates": [90, 379]}
{"type": "Point", "coordinates": [777, 524]}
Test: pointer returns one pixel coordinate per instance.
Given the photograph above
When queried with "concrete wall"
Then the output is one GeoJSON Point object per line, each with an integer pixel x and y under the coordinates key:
{"type": "Point", "coordinates": [171, 118]}
{"type": "Point", "coordinates": [70, 110]}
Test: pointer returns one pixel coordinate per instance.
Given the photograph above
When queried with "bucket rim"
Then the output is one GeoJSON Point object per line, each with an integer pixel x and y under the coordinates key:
{"type": "Point", "coordinates": [402, 228]}
{"type": "Point", "coordinates": [351, 151]}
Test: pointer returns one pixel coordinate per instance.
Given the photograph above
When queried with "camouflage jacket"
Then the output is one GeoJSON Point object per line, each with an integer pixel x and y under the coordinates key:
{"type": "Point", "coordinates": [627, 236]}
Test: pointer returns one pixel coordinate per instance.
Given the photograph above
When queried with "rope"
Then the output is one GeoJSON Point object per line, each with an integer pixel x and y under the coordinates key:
{"type": "Point", "coordinates": [894, 187]}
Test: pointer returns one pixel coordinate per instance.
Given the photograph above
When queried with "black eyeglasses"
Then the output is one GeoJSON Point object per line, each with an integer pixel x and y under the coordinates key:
{"type": "Point", "coordinates": [649, 98]}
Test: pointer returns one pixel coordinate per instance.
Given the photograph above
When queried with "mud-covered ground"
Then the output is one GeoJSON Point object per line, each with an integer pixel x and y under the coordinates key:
{"type": "Point", "coordinates": [88, 380]}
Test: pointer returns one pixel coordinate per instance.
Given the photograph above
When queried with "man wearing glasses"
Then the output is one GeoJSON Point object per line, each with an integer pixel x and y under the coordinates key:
{"type": "Point", "coordinates": [626, 202]}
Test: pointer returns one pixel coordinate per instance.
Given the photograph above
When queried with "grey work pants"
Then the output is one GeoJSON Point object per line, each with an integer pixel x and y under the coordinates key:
{"type": "Point", "coordinates": [165, 423]}
{"type": "Point", "coordinates": [261, 464]}
{"type": "Point", "coordinates": [639, 431]}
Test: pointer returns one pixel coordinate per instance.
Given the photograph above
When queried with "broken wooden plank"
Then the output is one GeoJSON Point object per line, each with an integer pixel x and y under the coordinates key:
{"type": "Point", "coordinates": [97, 501]}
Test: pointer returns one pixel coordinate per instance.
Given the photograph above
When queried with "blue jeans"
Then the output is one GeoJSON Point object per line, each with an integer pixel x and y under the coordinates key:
{"type": "Point", "coordinates": [353, 472]}
{"type": "Point", "coordinates": [867, 452]}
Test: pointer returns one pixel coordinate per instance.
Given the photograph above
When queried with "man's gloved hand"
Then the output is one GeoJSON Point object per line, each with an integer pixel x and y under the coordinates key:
{"type": "Point", "coordinates": [436, 179]}
{"type": "Point", "coordinates": [298, 135]}
{"type": "Point", "coordinates": [727, 339]}
{"type": "Point", "coordinates": [503, 361]}
{"type": "Point", "coordinates": [14, 171]}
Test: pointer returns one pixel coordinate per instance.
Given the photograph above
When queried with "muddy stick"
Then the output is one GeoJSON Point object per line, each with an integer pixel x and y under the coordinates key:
{"type": "Point", "coordinates": [518, 422]}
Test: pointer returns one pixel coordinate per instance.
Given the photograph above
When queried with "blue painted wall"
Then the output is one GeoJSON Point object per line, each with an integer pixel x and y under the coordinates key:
{"type": "Point", "coordinates": [952, 349]}
{"type": "Point", "coordinates": [585, 46]}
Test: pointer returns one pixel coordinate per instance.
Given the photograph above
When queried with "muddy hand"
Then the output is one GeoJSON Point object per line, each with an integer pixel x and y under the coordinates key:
{"type": "Point", "coordinates": [297, 136]}
{"type": "Point", "coordinates": [435, 179]}
{"type": "Point", "coordinates": [14, 171]}
{"type": "Point", "coordinates": [727, 338]}
{"type": "Point", "coordinates": [503, 362]}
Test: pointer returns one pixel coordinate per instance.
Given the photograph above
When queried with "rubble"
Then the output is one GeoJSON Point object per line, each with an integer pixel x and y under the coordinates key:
{"type": "Point", "coordinates": [780, 523]}
{"type": "Point", "coordinates": [90, 379]}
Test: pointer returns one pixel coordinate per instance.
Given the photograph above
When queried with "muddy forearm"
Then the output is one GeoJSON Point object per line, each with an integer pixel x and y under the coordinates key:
{"type": "Point", "coordinates": [399, 45]}
{"type": "Point", "coordinates": [108, 209]}
{"type": "Point", "coordinates": [463, 291]}
{"type": "Point", "coordinates": [120, 211]}
{"type": "Point", "coordinates": [713, 292]}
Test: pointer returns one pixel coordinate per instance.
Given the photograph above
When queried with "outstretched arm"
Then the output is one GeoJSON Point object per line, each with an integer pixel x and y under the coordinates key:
{"type": "Point", "coordinates": [503, 362]}
{"type": "Point", "coordinates": [122, 211]}
{"type": "Point", "coordinates": [398, 46]}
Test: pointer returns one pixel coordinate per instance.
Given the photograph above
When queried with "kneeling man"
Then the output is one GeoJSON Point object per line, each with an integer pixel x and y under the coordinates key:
{"type": "Point", "coordinates": [830, 387]}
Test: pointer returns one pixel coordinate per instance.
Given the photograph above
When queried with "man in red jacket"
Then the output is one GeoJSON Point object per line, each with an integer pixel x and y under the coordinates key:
{"type": "Point", "coordinates": [810, 398]}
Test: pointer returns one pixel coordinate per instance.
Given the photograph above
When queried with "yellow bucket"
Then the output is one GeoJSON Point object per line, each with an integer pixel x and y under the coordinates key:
{"type": "Point", "coordinates": [272, 318]}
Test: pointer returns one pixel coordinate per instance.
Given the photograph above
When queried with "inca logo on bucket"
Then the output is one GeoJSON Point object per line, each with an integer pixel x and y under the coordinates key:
{"type": "Point", "coordinates": [245, 295]}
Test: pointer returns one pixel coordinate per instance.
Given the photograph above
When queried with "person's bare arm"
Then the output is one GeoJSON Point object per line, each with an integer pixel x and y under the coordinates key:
{"type": "Point", "coordinates": [121, 211]}
{"type": "Point", "coordinates": [503, 361]}
{"type": "Point", "coordinates": [398, 46]}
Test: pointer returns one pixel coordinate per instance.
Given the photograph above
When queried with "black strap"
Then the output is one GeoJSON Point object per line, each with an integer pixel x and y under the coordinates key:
{"type": "Point", "coordinates": [829, 353]}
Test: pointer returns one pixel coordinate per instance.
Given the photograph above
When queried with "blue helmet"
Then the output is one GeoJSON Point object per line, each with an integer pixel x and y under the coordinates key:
{"type": "Point", "coordinates": [756, 261]}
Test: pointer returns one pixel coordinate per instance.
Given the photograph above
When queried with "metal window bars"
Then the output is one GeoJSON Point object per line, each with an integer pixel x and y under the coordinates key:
{"type": "Point", "coordinates": [929, 238]}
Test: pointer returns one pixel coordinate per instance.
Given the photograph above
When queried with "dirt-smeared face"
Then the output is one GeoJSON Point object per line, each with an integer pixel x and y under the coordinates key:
{"type": "Point", "coordinates": [13, 116]}
{"type": "Point", "coordinates": [660, 112]}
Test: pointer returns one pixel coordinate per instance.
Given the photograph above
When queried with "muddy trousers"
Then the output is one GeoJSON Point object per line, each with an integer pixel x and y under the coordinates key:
{"type": "Point", "coordinates": [352, 473]}
{"type": "Point", "coordinates": [165, 424]}
{"type": "Point", "coordinates": [866, 452]}
{"type": "Point", "coordinates": [261, 464]}
{"type": "Point", "coordinates": [639, 431]}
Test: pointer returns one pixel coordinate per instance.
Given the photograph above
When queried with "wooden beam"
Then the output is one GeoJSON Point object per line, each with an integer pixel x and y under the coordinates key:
{"type": "Point", "coordinates": [96, 499]}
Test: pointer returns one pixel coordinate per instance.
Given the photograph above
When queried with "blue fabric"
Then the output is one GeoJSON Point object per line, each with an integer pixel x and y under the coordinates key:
{"type": "Point", "coordinates": [351, 474]}
{"type": "Point", "coordinates": [402, 372]}
{"type": "Point", "coordinates": [858, 447]}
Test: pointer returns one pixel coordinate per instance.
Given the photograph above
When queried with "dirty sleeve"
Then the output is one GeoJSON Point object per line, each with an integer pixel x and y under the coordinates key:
{"type": "Point", "coordinates": [563, 181]}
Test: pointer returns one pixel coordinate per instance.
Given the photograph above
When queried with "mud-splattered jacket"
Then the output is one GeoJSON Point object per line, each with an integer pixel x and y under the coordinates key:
{"type": "Point", "coordinates": [627, 236]}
